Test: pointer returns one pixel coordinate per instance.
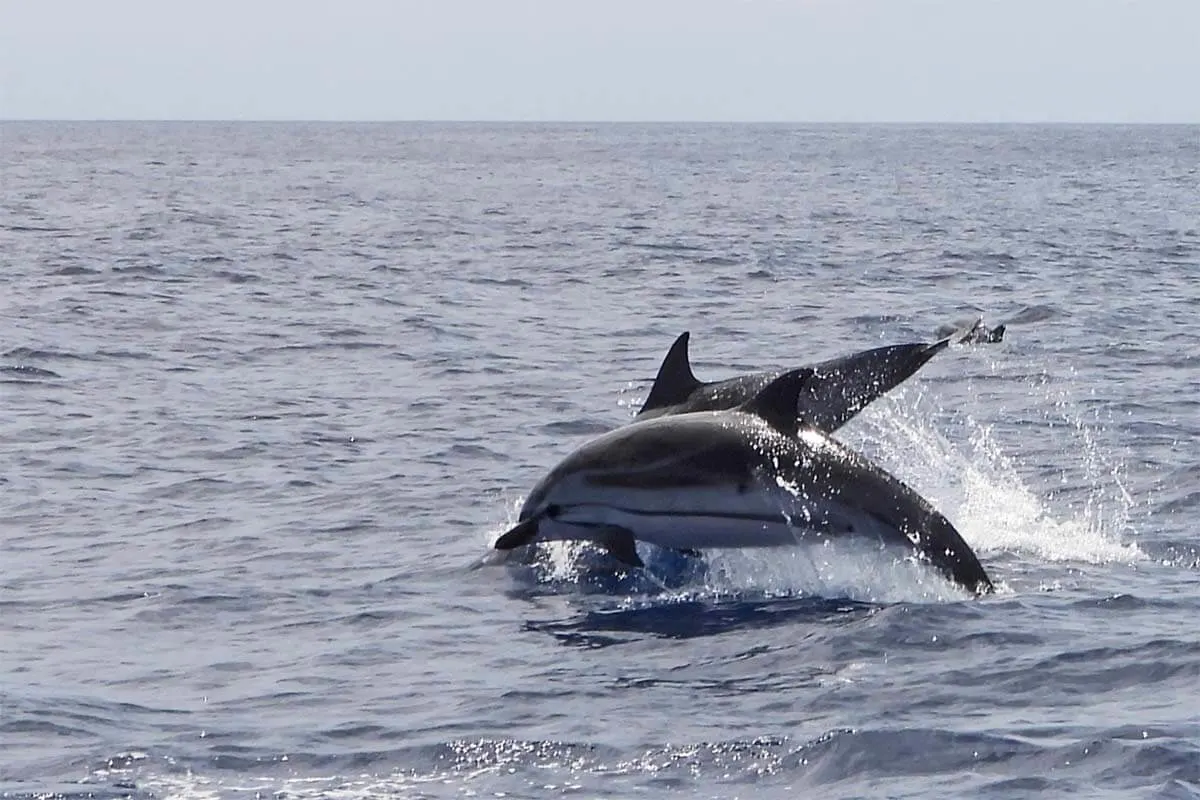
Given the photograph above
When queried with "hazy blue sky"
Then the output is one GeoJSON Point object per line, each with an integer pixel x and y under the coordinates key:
{"type": "Point", "coordinates": [795, 60]}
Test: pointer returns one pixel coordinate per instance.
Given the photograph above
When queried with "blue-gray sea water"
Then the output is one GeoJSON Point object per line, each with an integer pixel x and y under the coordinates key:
{"type": "Point", "coordinates": [267, 391]}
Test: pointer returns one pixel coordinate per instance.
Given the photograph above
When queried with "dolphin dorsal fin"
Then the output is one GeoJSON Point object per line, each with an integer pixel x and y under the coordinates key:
{"type": "Point", "coordinates": [778, 403]}
{"type": "Point", "coordinates": [675, 381]}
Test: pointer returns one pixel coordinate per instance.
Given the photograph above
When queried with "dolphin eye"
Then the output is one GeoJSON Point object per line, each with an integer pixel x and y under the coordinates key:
{"type": "Point", "coordinates": [553, 510]}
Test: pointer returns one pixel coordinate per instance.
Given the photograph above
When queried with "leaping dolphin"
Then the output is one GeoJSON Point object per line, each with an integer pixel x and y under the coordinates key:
{"type": "Point", "coordinates": [752, 476]}
{"type": "Point", "coordinates": [837, 389]}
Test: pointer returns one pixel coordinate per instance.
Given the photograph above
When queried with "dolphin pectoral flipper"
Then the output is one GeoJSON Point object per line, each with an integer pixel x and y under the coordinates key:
{"type": "Point", "coordinates": [520, 534]}
{"type": "Point", "coordinates": [620, 544]}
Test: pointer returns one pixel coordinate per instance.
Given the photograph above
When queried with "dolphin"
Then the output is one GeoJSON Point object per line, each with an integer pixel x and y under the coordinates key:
{"type": "Point", "coordinates": [837, 389]}
{"type": "Point", "coordinates": [752, 476]}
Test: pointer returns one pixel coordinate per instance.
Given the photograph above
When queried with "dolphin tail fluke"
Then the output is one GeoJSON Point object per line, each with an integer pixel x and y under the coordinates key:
{"type": "Point", "coordinates": [620, 544]}
{"type": "Point", "coordinates": [522, 533]}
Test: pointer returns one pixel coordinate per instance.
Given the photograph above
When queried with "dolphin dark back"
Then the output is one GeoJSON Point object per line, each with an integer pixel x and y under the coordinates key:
{"type": "Point", "coordinates": [838, 389]}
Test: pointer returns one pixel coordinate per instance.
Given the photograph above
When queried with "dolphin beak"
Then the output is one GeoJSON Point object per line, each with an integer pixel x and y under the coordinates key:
{"type": "Point", "coordinates": [520, 534]}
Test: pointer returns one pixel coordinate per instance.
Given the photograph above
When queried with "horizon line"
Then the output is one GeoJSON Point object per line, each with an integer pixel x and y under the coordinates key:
{"type": "Point", "coordinates": [567, 121]}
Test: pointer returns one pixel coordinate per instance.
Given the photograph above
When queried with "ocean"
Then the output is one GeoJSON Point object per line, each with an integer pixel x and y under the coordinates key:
{"type": "Point", "coordinates": [268, 390]}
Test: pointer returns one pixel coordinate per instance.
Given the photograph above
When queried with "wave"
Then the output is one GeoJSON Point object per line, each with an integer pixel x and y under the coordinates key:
{"type": "Point", "coordinates": [897, 760]}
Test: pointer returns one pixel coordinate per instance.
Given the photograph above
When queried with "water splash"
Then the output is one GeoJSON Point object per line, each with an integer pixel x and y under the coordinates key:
{"type": "Point", "coordinates": [981, 486]}
{"type": "Point", "coordinates": [852, 569]}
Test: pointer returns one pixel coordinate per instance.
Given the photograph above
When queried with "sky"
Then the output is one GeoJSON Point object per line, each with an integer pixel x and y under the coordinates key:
{"type": "Point", "coordinates": [642, 60]}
